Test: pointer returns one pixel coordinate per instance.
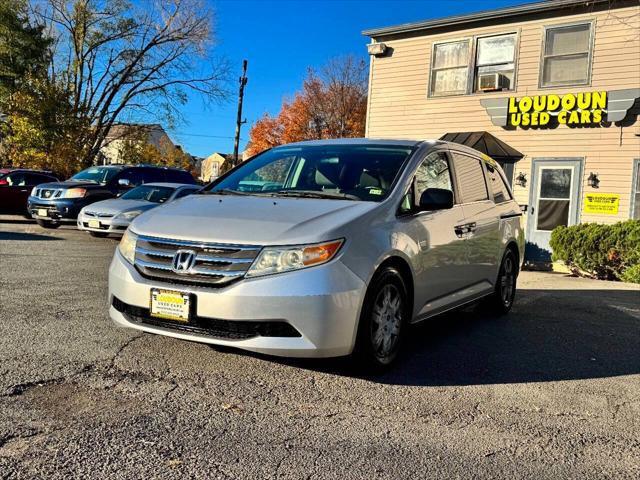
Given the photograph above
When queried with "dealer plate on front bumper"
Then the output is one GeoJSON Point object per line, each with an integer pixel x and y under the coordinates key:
{"type": "Point", "coordinates": [42, 212]}
{"type": "Point", "coordinates": [94, 224]}
{"type": "Point", "coordinates": [170, 304]}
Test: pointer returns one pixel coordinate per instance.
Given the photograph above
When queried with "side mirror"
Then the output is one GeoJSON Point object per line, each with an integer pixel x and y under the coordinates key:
{"type": "Point", "coordinates": [124, 182]}
{"type": "Point", "coordinates": [436, 199]}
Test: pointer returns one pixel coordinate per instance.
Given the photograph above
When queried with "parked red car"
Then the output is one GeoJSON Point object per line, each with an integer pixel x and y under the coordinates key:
{"type": "Point", "coordinates": [15, 186]}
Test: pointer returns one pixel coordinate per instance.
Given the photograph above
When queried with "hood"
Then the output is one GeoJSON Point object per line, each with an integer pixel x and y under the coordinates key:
{"type": "Point", "coordinates": [71, 184]}
{"type": "Point", "coordinates": [249, 220]}
{"type": "Point", "coordinates": [114, 206]}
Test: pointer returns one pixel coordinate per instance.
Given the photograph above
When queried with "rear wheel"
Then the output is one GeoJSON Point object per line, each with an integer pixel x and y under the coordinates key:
{"type": "Point", "coordinates": [47, 223]}
{"type": "Point", "coordinates": [501, 301]}
{"type": "Point", "coordinates": [383, 320]}
{"type": "Point", "coordinates": [98, 234]}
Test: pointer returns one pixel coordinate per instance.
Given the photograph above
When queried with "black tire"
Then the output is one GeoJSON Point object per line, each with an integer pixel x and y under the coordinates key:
{"type": "Point", "coordinates": [501, 301]}
{"type": "Point", "coordinates": [47, 223]}
{"type": "Point", "coordinates": [99, 234]}
{"type": "Point", "coordinates": [382, 324]}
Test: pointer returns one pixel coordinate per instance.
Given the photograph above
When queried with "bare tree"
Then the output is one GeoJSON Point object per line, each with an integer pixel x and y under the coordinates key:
{"type": "Point", "coordinates": [337, 98]}
{"type": "Point", "coordinates": [117, 59]}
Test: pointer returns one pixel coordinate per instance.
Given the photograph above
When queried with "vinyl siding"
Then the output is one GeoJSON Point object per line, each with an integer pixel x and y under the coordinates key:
{"type": "Point", "coordinates": [399, 106]}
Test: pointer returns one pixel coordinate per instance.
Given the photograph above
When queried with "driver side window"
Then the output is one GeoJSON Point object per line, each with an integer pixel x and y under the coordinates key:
{"type": "Point", "coordinates": [433, 172]}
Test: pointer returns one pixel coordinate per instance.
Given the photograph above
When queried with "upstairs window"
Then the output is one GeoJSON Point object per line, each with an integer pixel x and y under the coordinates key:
{"type": "Point", "coordinates": [495, 63]}
{"type": "Point", "coordinates": [566, 55]}
{"type": "Point", "coordinates": [450, 68]}
{"type": "Point", "coordinates": [455, 70]}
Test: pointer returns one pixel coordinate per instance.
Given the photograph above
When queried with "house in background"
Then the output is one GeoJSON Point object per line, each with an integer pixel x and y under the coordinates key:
{"type": "Point", "coordinates": [120, 135]}
{"type": "Point", "coordinates": [212, 165]}
{"type": "Point", "coordinates": [551, 90]}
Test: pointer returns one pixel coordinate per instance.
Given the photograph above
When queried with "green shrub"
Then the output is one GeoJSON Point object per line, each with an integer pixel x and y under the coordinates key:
{"type": "Point", "coordinates": [601, 251]}
{"type": "Point", "coordinates": [631, 274]}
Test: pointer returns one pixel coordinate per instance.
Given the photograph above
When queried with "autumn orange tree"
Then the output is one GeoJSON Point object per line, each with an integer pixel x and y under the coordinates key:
{"type": "Point", "coordinates": [331, 104]}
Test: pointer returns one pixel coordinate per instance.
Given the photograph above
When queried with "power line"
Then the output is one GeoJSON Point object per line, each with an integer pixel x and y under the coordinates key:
{"type": "Point", "coordinates": [202, 135]}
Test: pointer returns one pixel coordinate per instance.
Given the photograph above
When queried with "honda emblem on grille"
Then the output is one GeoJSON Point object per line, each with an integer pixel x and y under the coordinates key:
{"type": "Point", "coordinates": [183, 260]}
{"type": "Point", "coordinates": [47, 193]}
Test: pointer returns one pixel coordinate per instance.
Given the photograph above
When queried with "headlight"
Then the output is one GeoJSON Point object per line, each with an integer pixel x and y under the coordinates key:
{"type": "Point", "coordinates": [75, 193]}
{"type": "Point", "coordinates": [129, 215]}
{"type": "Point", "coordinates": [284, 259]}
{"type": "Point", "coordinates": [127, 246]}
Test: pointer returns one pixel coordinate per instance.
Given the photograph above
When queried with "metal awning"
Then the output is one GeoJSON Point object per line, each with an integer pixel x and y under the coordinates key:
{"type": "Point", "coordinates": [486, 143]}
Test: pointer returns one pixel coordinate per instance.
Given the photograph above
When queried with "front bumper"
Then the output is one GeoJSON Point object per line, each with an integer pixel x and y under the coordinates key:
{"type": "Point", "coordinates": [112, 225]}
{"type": "Point", "coordinates": [60, 210]}
{"type": "Point", "coordinates": [321, 303]}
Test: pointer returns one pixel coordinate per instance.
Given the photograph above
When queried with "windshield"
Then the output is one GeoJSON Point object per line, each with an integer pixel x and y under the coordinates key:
{"type": "Point", "coordinates": [95, 174]}
{"type": "Point", "coordinates": [149, 193]}
{"type": "Point", "coordinates": [354, 172]}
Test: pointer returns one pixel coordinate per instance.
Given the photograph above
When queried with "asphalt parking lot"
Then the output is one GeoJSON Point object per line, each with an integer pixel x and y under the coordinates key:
{"type": "Point", "coordinates": [551, 391]}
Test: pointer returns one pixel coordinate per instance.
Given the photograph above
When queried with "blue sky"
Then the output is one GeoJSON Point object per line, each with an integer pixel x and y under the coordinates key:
{"type": "Point", "coordinates": [280, 39]}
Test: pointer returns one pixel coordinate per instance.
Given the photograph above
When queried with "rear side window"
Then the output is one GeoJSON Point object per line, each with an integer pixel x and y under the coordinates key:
{"type": "Point", "coordinates": [134, 175]}
{"type": "Point", "coordinates": [178, 176]}
{"type": "Point", "coordinates": [36, 179]}
{"type": "Point", "coordinates": [17, 179]}
{"type": "Point", "coordinates": [152, 175]}
{"type": "Point", "coordinates": [471, 181]}
{"type": "Point", "coordinates": [500, 189]}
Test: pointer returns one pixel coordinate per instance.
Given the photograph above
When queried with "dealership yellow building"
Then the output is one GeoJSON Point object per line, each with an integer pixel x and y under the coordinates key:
{"type": "Point", "coordinates": [550, 89]}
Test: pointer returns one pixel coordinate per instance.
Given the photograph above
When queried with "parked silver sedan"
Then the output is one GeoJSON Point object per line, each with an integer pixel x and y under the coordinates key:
{"type": "Point", "coordinates": [113, 216]}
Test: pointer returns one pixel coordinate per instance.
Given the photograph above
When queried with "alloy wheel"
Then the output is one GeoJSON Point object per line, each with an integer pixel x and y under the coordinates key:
{"type": "Point", "coordinates": [507, 281]}
{"type": "Point", "coordinates": [387, 320]}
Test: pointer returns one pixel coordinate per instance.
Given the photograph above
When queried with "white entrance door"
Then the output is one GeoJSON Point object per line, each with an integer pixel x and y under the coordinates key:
{"type": "Point", "coordinates": [553, 201]}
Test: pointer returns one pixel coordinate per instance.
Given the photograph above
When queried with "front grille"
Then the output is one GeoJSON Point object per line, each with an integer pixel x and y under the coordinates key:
{"type": "Point", "coordinates": [48, 193]}
{"type": "Point", "coordinates": [215, 264]}
{"type": "Point", "coordinates": [51, 209]}
{"type": "Point", "coordinates": [226, 329]}
{"type": "Point", "coordinates": [89, 213]}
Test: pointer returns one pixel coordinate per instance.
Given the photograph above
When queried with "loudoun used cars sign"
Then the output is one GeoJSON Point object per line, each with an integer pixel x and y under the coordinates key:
{"type": "Point", "coordinates": [550, 110]}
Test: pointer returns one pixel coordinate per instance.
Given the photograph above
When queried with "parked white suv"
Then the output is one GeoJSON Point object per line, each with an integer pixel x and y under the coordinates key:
{"type": "Point", "coordinates": [323, 248]}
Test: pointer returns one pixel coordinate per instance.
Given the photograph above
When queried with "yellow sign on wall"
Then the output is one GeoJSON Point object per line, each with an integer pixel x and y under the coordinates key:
{"type": "Point", "coordinates": [584, 108]}
{"type": "Point", "coordinates": [601, 203]}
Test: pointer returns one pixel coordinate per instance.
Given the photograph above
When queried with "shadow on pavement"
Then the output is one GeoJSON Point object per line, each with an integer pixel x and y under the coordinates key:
{"type": "Point", "coordinates": [550, 335]}
{"type": "Point", "coordinates": [19, 236]}
{"type": "Point", "coordinates": [17, 221]}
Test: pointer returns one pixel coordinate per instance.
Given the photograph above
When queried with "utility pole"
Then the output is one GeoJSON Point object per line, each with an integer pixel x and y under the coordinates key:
{"type": "Point", "coordinates": [239, 120]}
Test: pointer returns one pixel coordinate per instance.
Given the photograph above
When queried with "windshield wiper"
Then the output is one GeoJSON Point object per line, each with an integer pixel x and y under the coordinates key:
{"type": "Point", "coordinates": [314, 194]}
{"type": "Point", "coordinates": [225, 191]}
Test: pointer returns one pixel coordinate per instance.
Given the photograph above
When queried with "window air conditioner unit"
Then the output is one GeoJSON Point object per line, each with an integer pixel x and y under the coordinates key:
{"type": "Point", "coordinates": [491, 82]}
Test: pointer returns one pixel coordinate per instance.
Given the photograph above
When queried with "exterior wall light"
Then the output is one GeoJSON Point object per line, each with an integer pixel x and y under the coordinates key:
{"type": "Point", "coordinates": [377, 49]}
{"type": "Point", "coordinates": [521, 180]}
{"type": "Point", "coordinates": [593, 180]}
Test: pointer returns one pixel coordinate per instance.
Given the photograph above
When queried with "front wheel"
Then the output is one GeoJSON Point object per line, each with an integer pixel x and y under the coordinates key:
{"type": "Point", "coordinates": [501, 301]}
{"type": "Point", "coordinates": [47, 223]}
{"type": "Point", "coordinates": [383, 321]}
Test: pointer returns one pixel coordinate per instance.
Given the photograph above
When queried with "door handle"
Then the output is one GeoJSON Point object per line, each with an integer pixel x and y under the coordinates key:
{"type": "Point", "coordinates": [466, 229]}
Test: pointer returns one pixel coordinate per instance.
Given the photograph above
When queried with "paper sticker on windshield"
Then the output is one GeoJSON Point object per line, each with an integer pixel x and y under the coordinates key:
{"type": "Point", "coordinates": [375, 191]}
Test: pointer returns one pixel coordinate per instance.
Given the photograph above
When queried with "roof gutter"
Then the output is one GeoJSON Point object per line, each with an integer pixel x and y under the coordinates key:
{"type": "Point", "coordinates": [485, 15]}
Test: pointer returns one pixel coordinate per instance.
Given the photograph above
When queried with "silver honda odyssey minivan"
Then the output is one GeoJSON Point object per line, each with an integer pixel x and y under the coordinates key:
{"type": "Point", "coordinates": [324, 248]}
